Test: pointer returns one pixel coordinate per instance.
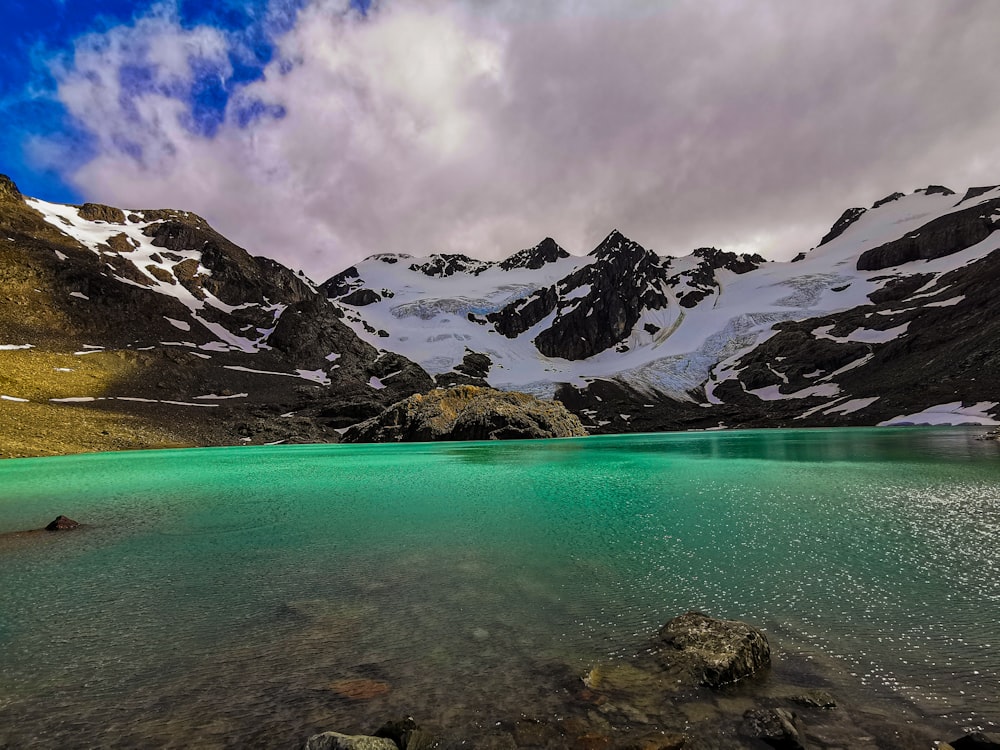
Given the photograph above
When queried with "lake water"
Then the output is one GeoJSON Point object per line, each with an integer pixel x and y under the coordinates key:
{"type": "Point", "coordinates": [250, 596]}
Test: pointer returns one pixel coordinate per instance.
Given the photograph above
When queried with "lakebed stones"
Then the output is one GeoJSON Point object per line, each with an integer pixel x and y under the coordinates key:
{"type": "Point", "coordinates": [712, 652]}
{"type": "Point", "coordinates": [338, 741]}
{"type": "Point", "coordinates": [777, 727]}
{"type": "Point", "coordinates": [360, 689]}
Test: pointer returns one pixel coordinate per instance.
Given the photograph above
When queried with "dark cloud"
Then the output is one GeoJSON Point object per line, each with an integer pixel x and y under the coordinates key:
{"type": "Point", "coordinates": [482, 127]}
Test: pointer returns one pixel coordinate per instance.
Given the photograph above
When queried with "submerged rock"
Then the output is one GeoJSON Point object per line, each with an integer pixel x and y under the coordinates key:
{"type": "Point", "coordinates": [815, 699]}
{"type": "Point", "coordinates": [467, 412]}
{"type": "Point", "coordinates": [777, 727]}
{"type": "Point", "coordinates": [976, 741]}
{"type": "Point", "coordinates": [338, 741]}
{"type": "Point", "coordinates": [713, 652]}
{"type": "Point", "coordinates": [406, 734]}
{"type": "Point", "coordinates": [360, 689]}
{"type": "Point", "coordinates": [62, 523]}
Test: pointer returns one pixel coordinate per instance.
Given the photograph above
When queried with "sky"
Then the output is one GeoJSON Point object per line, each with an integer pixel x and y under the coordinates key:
{"type": "Point", "coordinates": [318, 132]}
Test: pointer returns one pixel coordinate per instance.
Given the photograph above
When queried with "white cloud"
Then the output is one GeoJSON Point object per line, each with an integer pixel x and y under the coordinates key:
{"type": "Point", "coordinates": [484, 126]}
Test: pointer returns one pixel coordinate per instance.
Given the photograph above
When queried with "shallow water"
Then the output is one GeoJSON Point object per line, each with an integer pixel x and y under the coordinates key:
{"type": "Point", "coordinates": [218, 594]}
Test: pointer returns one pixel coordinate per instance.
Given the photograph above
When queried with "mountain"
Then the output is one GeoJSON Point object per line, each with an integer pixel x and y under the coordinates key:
{"type": "Point", "coordinates": [123, 328]}
{"type": "Point", "coordinates": [140, 328]}
{"type": "Point", "coordinates": [890, 319]}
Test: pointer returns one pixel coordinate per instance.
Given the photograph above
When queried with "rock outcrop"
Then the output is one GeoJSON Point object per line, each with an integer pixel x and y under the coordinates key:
{"type": "Point", "coordinates": [62, 523]}
{"type": "Point", "coordinates": [713, 652]}
{"type": "Point", "coordinates": [942, 236]}
{"type": "Point", "coordinates": [840, 226]}
{"type": "Point", "coordinates": [467, 413]}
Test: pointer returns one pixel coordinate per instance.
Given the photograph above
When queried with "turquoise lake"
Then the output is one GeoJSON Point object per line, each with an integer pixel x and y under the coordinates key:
{"type": "Point", "coordinates": [216, 594]}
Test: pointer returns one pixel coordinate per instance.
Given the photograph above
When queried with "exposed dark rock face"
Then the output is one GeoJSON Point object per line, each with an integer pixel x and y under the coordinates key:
{"type": "Point", "coordinates": [546, 251]}
{"type": "Point", "coordinates": [888, 199]}
{"type": "Point", "coordinates": [467, 413]}
{"type": "Point", "coordinates": [342, 283]}
{"type": "Point", "coordinates": [519, 316]}
{"type": "Point", "coordinates": [938, 190]}
{"type": "Point", "coordinates": [475, 365]}
{"type": "Point", "coordinates": [361, 297]}
{"type": "Point", "coordinates": [447, 264]}
{"type": "Point", "coordinates": [900, 288]}
{"type": "Point", "coordinates": [596, 307]}
{"type": "Point", "coordinates": [624, 280]}
{"type": "Point", "coordinates": [942, 236]}
{"type": "Point", "coordinates": [473, 370]}
{"type": "Point", "coordinates": [847, 218]}
{"type": "Point", "coordinates": [310, 331]}
{"type": "Point", "coordinates": [62, 523]}
{"type": "Point", "coordinates": [713, 652]}
{"type": "Point", "coordinates": [702, 280]}
{"type": "Point", "coordinates": [100, 212]}
{"type": "Point", "coordinates": [975, 192]}
{"type": "Point", "coordinates": [237, 277]}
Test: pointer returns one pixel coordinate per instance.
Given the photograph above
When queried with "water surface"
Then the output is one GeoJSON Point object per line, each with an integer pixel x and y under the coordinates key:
{"type": "Point", "coordinates": [219, 593]}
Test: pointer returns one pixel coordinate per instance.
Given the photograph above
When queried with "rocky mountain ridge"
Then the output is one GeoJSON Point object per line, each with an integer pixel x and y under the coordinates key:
{"type": "Point", "coordinates": [888, 320]}
{"type": "Point", "coordinates": [130, 328]}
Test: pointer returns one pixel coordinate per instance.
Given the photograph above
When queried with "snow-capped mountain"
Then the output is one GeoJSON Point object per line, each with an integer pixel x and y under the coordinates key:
{"type": "Point", "coordinates": [874, 325]}
{"type": "Point", "coordinates": [171, 334]}
{"type": "Point", "coordinates": [178, 334]}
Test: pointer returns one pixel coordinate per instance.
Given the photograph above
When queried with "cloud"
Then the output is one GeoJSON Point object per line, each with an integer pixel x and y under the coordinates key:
{"type": "Point", "coordinates": [481, 127]}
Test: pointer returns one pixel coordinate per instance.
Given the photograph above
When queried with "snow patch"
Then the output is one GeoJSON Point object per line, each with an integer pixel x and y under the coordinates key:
{"type": "Point", "coordinates": [771, 392]}
{"type": "Point", "coordinates": [862, 335]}
{"type": "Point", "coordinates": [947, 414]}
{"type": "Point", "coordinates": [184, 326]}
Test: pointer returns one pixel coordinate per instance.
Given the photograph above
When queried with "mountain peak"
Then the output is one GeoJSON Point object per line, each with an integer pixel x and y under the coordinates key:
{"type": "Point", "coordinates": [614, 241]}
{"type": "Point", "coordinates": [546, 251]}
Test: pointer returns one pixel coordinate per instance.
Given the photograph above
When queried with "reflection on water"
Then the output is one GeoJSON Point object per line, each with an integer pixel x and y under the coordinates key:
{"type": "Point", "coordinates": [242, 595]}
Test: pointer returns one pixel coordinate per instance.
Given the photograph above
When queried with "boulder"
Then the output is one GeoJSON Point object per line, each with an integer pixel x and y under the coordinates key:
{"type": "Point", "coordinates": [406, 734]}
{"type": "Point", "coordinates": [338, 741]}
{"type": "Point", "coordinates": [712, 652]}
{"type": "Point", "coordinates": [467, 412]}
{"type": "Point", "coordinates": [62, 523]}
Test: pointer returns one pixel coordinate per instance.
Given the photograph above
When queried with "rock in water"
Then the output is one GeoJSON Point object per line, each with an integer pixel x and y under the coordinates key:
{"type": "Point", "coordinates": [977, 741]}
{"type": "Point", "coordinates": [360, 689]}
{"type": "Point", "coordinates": [713, 652]}
{"type": "Point", "coordinates": [338, 741]}
{"type": "Point", "coordinates": [777, 727]}
{"type": "Point", "coordinates": [62, 523]}
{"type": "Point", "coordinates": [467, 412]}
